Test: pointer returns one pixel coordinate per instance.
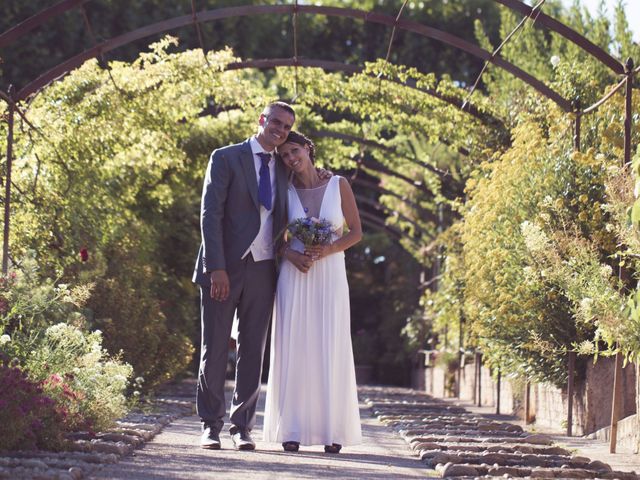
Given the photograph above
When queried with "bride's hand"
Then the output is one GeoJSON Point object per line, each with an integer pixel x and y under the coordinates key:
{"type": "Point", "coordinates": [301, 261]}
{"type": "Point", "coordinates": [316, 252]}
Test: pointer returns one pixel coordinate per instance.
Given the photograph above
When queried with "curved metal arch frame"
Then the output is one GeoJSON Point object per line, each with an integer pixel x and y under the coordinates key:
{"type": "Point", "coordinates": [382, 208]}
{"type": "Point", "coordinates": [452, 189]}
{"type": "Point", "coordinates": [383, 191]}
{"type": "Point", "coordinates": [483, 116]}
{"type": "Point", "coordinates": [617, 67]}
{"type": "Point", "coordinates": [230, 12]}
{"type": "Point", "coordinates": [374, 225]}
{"type": "Point", "coordinates": [424, 214]}
{"type": "Point", "coordinates": [580, 40]}
{"type": "Point", "coordinates": [370, 218]}
{"type": "Point", "coordinates": [373, 144]}
{"type": "Point", "coordinates": [516, 5]}
{"type": "Point", "coordinates": [379, 168]}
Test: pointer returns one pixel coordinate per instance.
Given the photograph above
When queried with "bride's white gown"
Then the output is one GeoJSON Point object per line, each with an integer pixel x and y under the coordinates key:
{"type": "Point", "coordinates": [311, 394]}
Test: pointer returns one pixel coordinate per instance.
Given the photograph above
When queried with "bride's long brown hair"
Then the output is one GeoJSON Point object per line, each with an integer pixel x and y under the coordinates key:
{"type": "Point", "coordinates": [300, 139]}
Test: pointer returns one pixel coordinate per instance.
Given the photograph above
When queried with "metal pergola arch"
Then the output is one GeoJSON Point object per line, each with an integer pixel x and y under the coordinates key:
{"type": "Point", "coordinates": [373, 220]}
{"type": "Point", "coordinates": [487, 118]}
{"type": "Point", "coordinates": [626, 69]}
{"type": "Point", "coordinates": [450, 185]}
{"type": "Point", "coordinates": [382, 208]}
{"type": "Point", "coordinates": [376, 167]}
{"type": "Point", "coordinates": [230, 12]}
{"type": "Point", "coordinates": [196, 18]}
{"type": "Point", "coordinates": [384, 191]}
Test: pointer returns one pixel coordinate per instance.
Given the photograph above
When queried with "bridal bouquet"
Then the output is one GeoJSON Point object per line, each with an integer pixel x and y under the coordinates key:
{"type": "Point", "coordinates": [311, 231]}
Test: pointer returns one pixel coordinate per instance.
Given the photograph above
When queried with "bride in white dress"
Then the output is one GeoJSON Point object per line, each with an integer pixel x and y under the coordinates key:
{"type": "Point", "coordinates": [311, 394]}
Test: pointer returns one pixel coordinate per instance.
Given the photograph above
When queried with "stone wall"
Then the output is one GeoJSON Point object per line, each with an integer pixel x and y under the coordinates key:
{"type": "Point", "coordinates": [592, 399]}
{"type": "Point", "coordinates": [488, 390]}
{"type": "Point", "coordinates": [592, 395]}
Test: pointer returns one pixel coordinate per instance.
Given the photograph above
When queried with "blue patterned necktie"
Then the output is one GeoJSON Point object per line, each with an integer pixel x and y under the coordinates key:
{"type": "Point", "coordinates": [264, 186]}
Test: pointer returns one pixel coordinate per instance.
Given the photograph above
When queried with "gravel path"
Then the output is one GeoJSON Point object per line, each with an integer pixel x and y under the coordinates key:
{"type": "Point", "coordinates": [175, 454]}
{"type": "Point", "coordinates": [407, 434]}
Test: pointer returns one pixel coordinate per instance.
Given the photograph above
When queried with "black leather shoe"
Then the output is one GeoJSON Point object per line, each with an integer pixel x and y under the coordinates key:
{"type": "Point", "coordinates": [291, 446]}
{"type": "Point", "coordinates": [333, 448]}
{"type": "Point", "coordinates": [242, 440]}
{"type": "Point", "coordinates": [210, 438]}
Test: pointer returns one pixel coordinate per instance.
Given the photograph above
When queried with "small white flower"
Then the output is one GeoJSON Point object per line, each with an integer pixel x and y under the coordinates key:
{"type": "Point", "coordinates": [535, 239]}
{"type": "Point", "coordinates": [136, 393]}
{"type": "Point", "coordinates": [139, 380]}
{"type": "Point", "coordinates": [606, 271]}
{"type": "Point", "coordinates": [613, 169]}
{"type": "Point", "coordinates": [555, 61]}
{"type": "Point", "coordinates": [5, 339]}
{"type": "Point", "coordinates": [585, 307]}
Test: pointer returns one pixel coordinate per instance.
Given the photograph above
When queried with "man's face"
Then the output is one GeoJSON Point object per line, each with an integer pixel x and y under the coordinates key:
{"type": "Point", "coordinates": [275, 127]}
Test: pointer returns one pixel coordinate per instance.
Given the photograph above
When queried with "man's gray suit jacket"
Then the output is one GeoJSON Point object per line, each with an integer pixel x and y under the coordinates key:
{"type": "Point", "coordinates": [230, 212]}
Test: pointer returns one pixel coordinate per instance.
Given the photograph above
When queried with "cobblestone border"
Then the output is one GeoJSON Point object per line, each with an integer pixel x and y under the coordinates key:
{"type": "Point", "coordinates": [87, 453]}
{"type": "Point", "coordinates": [457, 443]}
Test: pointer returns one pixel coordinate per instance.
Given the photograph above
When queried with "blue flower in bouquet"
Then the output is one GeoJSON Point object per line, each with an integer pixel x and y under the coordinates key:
{"type": "Point", "coordinates": [312, 231]}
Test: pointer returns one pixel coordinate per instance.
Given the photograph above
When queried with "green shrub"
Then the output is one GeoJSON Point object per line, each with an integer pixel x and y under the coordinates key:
{"type": "Point", "coordinates": [45, 332]}
{"type": "Point", "coordinates": [524, 321]}
{"type": "Point", "coordinates": [29, 418]}
{"type": "Point", "coordinates": [93, 382]}
{"type": "Point", "coordinates": [126, 309]}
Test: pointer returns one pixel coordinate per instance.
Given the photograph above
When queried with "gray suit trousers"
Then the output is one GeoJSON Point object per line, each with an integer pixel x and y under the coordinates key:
{"type": "Point", "coordinates": [252, 292]}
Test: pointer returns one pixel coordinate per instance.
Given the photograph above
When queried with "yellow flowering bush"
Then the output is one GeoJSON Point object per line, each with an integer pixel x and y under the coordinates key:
{"type": "Point", "coordinates": [524, 319]}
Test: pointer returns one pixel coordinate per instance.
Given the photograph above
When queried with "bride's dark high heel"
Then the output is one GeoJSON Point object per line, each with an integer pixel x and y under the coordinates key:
{"type": "Point", "coordinates": [333, 448]}
{"type": "Point", "coordinates": [290, 446]}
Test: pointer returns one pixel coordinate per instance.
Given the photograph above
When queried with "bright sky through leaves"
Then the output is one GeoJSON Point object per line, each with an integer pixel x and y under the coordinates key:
{"type": "Point", "coordinates": [632, 9]}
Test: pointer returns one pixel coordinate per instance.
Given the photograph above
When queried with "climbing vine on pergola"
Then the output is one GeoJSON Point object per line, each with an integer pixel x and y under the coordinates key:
{"type": "Point", "coordinates": [418, 136]}
{"type": "Point", "coordinates": [385, 115]}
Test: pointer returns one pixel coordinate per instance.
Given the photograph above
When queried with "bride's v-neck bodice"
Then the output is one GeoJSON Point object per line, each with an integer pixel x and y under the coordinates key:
{"type": "Point", "coordinates": [321, 202]}
{"type": "Point", "coordinates": [311, 199]}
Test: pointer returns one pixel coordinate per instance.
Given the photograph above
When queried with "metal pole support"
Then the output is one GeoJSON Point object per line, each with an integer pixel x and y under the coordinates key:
{"type": "Point", "coordinates": [498, 382]}
{"type": "Point", "coordinates": [628, 70]}
{"type": "Point", "coordinates": [615, 403]}
{"type": "Point", "coordinates": [570, 385]}
{"type": "Point", "coordinates": [577, 126]}
{"type": "Point", "coordinates": [7, 190]}
{"type": "Point", "coordinates": [527, 403]}
{"type": "Point", "coordinates": [479, 373]}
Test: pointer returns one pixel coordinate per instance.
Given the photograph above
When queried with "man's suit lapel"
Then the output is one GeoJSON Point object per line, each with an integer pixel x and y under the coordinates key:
{"type": "Point", "coordinates": [248, 165]}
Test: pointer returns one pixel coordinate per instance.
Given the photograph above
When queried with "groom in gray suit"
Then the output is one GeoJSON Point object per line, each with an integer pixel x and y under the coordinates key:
{"type": "Point", "coordinates": [243, 210]}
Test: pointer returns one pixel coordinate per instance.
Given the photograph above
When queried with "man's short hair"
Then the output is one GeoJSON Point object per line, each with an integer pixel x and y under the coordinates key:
{"type": "Point", "coordinates": [282, 105]}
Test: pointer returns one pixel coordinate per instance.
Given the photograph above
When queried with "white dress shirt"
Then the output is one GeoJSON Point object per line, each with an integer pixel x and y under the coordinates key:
{"type": "Point", "coordinates": [262, 246]}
